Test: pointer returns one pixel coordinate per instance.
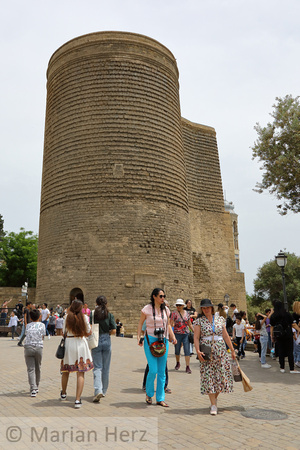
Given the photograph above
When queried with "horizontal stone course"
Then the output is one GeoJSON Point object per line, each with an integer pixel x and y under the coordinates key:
{"type": "Point", "coordinates": [126, 179]}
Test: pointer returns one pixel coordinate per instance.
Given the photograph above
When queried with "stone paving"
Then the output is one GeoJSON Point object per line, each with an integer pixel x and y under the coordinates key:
{"type": "Point", "coordinates": [123, 420]}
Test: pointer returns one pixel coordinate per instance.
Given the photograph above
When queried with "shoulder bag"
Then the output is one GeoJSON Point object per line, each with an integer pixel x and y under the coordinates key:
{"type": "Point", "coordinates": [60, 352]}
{"type": "Point", "coordinates": [207, 348]}
{"type": "Point", "coordinates": [157, 348]}
{"type": "Point", "coordinates": [93, 338]}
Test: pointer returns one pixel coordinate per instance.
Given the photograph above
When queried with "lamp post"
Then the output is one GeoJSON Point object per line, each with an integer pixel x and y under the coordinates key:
{"type": "Point", "coordinates": [281, 260]}
{"type": "Point", "coordinates": [226, 299]}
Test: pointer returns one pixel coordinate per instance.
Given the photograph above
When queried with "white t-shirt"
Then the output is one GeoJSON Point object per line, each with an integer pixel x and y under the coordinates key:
{"type": "Point", "coordinates": [239, 329]}
{"type": "Point", "coordinates": [235, 311]}
{"type": "Point", "coordinates": [45, 313]}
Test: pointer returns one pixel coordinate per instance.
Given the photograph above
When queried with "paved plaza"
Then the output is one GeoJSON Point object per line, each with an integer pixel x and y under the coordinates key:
{"type": "Point", "coordinates": [268, 417]}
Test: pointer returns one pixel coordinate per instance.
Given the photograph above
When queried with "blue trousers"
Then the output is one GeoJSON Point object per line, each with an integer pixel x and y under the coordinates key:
{"type": "Point", "coordinates": [264, 345]}
{"type": "Point", "coordinates": [157, 368]}
{"type": "Point", "coordinates": [45, 322]}
{"type": "Point", "coordinates": [101, 359]}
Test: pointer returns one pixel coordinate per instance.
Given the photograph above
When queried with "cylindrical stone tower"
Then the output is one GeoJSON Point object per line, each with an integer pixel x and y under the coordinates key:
{"type": "Point", "coordinates": [114, 212]}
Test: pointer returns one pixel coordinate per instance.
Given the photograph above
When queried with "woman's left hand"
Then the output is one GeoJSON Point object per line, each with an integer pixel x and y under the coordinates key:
{"type": "Point", "coordinates": [174, 341]}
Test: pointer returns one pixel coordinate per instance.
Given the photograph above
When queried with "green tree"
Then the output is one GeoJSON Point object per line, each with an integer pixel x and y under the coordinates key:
{"type": "Point", "coordinates": [1, 228]}
{"type": "Point", "coordinates": [278, 148]}
{"type": "Point", "coordinates": [18, 253]}
{"type": "Point", "coordinates": [268, 284]}
{"type": "Point", "coordinates": [253, 307]}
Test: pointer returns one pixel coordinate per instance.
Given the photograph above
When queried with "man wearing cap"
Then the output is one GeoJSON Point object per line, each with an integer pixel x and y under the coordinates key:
{"type": "Point", "coordinates": [182, 324]}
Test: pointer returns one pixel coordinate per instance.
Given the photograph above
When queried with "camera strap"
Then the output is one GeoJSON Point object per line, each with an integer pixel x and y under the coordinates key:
{"type": "Point", "coordinates": [162, 316]}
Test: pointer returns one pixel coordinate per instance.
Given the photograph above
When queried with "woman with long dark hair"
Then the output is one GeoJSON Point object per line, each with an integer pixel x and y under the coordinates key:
{"type": "Point", "coordinates": [77, 353]}
{"type": "Point", "coordinates": [102, 354]}
{"type": "Point", "coordinates": [158, 328]}
{"type": "Point", "coordinates": [281, 331]}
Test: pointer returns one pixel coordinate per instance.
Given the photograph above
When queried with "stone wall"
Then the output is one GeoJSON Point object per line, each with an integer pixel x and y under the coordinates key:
{"type": "Point", "coordinates": [131, 193]}
{"type": "Point", "coordinates": [212, 240]}
{"type": "Point", "coordinates": [114, 211]}
{"type": "Point", "coordinates": [15, 293]}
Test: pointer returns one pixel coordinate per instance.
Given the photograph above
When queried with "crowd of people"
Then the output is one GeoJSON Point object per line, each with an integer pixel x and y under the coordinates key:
{"type": "Point", "coordinates": [219, 338]}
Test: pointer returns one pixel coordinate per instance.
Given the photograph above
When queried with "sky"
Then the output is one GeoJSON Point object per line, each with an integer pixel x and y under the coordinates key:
{"type": "Point", "coordinates": [234, 58]}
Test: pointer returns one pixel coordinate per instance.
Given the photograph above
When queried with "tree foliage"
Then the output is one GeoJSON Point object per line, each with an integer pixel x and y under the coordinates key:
{"type": "Point", "coordinates": [253, 307]}
{"type": "Point", "coordinates": [268, 284]}
{"type": "Point", "coordinates": [18, 255]}
{"type": "Point", "coordinates": [278, 148]}
{"type": "Point", "coordinates": [1, 228]}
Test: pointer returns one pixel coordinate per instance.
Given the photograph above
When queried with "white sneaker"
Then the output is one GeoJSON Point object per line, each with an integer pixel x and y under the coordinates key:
{"type": "Point", "coordinates": [282, 370]}
{"type": "Point", "coordinates": [294, 371]}
{"type": "Point", "coordinates": [213, 410]}
{"type": "Point", "coordinates": [48, 336]}
{"type": "Point", "coordinates": [297, 364]}
{"type": "Point", "coordinates": [78, 404]}
{"type": "Point", "coordinates": [266, 366]}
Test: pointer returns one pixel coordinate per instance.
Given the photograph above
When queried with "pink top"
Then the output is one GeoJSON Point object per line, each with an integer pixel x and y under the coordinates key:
{"type": "Point", "coordinates": [86, 311]}
{"type": "Point", "coordinates": [159, 322]}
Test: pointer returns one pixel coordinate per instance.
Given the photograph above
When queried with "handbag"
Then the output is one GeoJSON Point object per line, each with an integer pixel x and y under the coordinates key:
{"type": "Point", "coordinates": [157, 348]}
{"type": "Point", "coordinates": [93, 338]}
{"type": "Point", "coordinates": [60, 352]}
{"type": "Point", "coordinates": [191, 337]}
{"type": "Point", "coordinates": [236, 370]}
{"type": "Point", "coordinates": [206, 349]}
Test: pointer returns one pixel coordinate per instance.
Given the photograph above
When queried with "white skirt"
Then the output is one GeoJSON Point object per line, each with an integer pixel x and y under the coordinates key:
{"type": "Point", "coordinates": [78, 356]}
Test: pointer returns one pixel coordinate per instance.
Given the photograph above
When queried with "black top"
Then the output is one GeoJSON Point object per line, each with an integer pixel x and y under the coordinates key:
{"type": "Point", "coordinates": [105, 325]}
{"type": "Point", "coordinates": [284, 319]}
{"type": "Point", "coordinates": [296, 317]}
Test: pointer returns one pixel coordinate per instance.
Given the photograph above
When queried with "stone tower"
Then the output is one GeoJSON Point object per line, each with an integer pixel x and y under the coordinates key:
{"type": "Point", "coordinates": [131, 193]}
{"type": "Point", "coordinates": [114, 211]}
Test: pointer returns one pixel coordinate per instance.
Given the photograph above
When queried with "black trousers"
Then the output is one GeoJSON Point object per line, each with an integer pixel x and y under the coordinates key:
{"type": "Point", "coordinates": [285, 348]}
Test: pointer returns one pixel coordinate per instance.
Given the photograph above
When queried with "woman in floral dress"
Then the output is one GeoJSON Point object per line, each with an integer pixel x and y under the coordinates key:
{"type": "Point", "coordinates": [216, 375]}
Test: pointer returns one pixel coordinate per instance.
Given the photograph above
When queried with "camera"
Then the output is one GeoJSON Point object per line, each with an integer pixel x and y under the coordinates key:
{"type": "Point", "coordinates": [159, 332]}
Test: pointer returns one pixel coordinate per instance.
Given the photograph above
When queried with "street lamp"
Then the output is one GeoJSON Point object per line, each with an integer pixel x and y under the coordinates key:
{"type": "Point", "coordinates": [281, 260]}
{"type": "Point", "coordinates": [226, 299]}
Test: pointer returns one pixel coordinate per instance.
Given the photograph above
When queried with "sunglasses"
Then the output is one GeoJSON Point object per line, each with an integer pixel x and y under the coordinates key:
{"type": "Point", "coordinates": [162, 296]}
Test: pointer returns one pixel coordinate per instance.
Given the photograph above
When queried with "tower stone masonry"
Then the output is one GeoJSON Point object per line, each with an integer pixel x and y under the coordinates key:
{"type": "Point", "coordinates": [131, 192]}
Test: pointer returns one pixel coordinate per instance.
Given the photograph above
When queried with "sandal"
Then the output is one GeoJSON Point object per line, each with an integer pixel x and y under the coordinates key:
{"type": "Point", "coordinates": [148, 400]}
{"type": "Point", "coordinates": [163, 404]}
{"type": "Point", "coordinates": [168, 391]}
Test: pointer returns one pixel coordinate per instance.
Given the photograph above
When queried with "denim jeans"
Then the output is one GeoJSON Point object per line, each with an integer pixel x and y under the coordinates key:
{"type": "Point", "coordinates": [184, 340]}
{"type": "Point", "coordinates": [22, 335]}
{"type": "Point", "coordinates": [33, 359]}
{"type": "Point", "coordinates": [45, 322]}
{"type": "Point", "coordinates": [264, 345]}
{"type": "Point", "coordinates": [157, 367]}
{"type": "Point", "coordinates": [296, 352]}
{"type": "Point", "coordinates": [101, 359]}
{"type": "Point", "coordinates": [240, 344]}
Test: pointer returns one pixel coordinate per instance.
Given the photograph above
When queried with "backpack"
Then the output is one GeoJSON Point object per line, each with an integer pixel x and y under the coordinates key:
{"type": "Point", "coordinates": [279, 331]}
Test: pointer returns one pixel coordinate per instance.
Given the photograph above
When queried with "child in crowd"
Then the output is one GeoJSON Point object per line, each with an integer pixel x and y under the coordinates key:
{"type": "Point", "coordinates": [51, 325]}
{"type": "Point", "coordinates": [13, 323]}
{"type": "Point", "coordinates": [33, 350]}
{"type": "Point", "coordinates": [238, 333]}
{"type": "Point", "coordinates": [119, 329]}
{"type": "Point", "coordinates": [59, 325]}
